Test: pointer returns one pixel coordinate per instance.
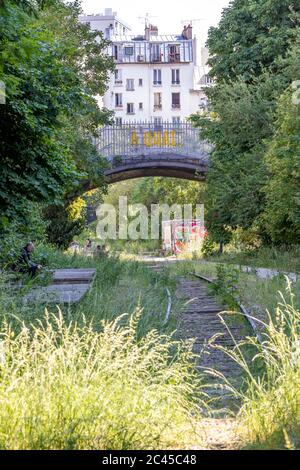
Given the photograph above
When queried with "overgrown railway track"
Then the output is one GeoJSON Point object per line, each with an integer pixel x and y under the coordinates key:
{"type": "Point", "coordinates": [203, 319]}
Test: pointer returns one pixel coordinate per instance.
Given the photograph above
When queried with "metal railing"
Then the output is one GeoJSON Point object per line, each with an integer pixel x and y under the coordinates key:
{"type": "Point", "coordinates": [121, 144]}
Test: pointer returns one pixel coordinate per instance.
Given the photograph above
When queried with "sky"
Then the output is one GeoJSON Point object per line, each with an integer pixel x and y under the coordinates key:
{"type": "Point", "coordinates": [166, 14]}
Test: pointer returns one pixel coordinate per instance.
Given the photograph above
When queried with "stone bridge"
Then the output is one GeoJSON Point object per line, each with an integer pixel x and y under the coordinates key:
{"type": "Point", "coordinates": [139, 149]}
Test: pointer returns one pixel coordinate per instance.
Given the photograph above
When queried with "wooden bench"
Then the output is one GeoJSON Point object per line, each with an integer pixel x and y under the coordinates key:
{"type": "Point", "coordinates": [68, 286]}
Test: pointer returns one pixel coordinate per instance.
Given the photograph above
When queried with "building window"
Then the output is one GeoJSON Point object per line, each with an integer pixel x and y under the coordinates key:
{"type": "Point", "coordinates": [156, 55]}
{"type": "Point", "coordinates": [118, 77]}
{"type": "Point", "coordinates": [128, 50]}
{"type": "Point", "coordinates": [140, 82]}
{"type": "Point", "coordinates": [140, 105]}
{"type": "Point", "coordinates": [118, 100]}
{"type": "Point", "coordinates": [130, 108]}
{"type": "Point", "coordinates": [130, 84]}
{"type": "Point", "coordinates": [176, 120]}
{"type": "Point", "coordinates": [175, 100]}
{"type": "Point", "coordinates": [157, 101]}
{"type": "Point", "coordinates": [175, 77]}
{"type": "Point", "coordinates": [116, 54]}
{"type": "Point", "coordinates": [174, 53]}
{"type": "Point", "coordinates": [156, 77]}
{"type": "Point", "coordinates": [208, 80]}
{"type": "Point", "coordinates": [158, 124]}
{"type": "Point", "coordinates": [119, 121]}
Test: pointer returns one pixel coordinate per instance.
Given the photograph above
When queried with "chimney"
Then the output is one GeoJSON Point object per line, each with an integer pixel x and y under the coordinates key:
{"type": "Point", "coordinates": [187, 32]}
{"type": "Point", "coordinates": [147, 33]}
{"type": "Point", "coordinates": [150, 30]}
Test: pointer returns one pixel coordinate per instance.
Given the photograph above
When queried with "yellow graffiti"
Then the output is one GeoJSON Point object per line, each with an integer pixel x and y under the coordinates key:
{"type": "Point", "coordinates": [148, 139]}
{"type": "Point", "coordinates": [134, 138]}
{"type": "Point", "coordinates": [173, 137]}
{"type": "Point", "coordinates": [155, 139]}
{"type": "Point", "coordinates": [166, 140]}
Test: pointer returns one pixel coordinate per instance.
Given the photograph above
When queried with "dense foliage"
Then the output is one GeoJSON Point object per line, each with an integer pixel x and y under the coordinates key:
{"type": "Point", "coordinates": [253, 66]}
{"type": "Point", "coordinates": [51, 66]}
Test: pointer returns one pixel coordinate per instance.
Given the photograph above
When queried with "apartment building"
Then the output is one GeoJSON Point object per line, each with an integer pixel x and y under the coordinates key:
{"type": "Point", "coordinates": [157, 77]}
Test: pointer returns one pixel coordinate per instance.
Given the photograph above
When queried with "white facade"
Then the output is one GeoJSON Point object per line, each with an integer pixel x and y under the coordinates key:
{"type": "Point", "coordinates": [143, 92]}
{"type": "Point", "coordinates": [107, 22]}
{"type": "Point", "coordinates": [158, 78]}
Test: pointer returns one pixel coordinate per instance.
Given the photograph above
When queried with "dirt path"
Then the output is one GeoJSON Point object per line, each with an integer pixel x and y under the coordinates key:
{"type": "Point", "coordinates": [201, 320]}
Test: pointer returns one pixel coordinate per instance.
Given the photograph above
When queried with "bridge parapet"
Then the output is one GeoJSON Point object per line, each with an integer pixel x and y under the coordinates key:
{"type": "Point", "coordinates": [131, 142]}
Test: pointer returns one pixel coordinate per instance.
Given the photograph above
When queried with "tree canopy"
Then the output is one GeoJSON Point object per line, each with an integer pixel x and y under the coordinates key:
{"type": "Point", "coordinates": [52, 66]}
{"type": "Point", "coordinates": [252, 66]}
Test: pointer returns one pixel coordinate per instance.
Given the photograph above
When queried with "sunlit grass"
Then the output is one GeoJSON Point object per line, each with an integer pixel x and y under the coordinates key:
{"type": "Point", "coordinates": [270, 403]}
{"type": "Point", "coordinates": [68, 387]}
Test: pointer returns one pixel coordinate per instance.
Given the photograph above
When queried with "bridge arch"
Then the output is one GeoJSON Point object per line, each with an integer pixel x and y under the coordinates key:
{"type": "Point", "coordinates": [138, 149]}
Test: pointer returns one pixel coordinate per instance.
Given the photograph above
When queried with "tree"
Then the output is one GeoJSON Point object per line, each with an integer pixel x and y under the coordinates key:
{"type": "Point", "coordinates": [251, 35]}
{"type": "Point", "coordinates": [51, 66]}
{"type": "Point", "coordinates": [282, 212]}
{"type": "Point", "coordinates": [248, 51]}
{"type": "Point", "coordinates": [281, 216]}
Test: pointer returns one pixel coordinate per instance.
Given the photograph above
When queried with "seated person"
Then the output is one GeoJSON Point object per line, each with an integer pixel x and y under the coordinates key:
{"type": "Point", "coordinates": [88, 244]}
{"type": "Point", "coordinates": [100, 251]}
{"type": "Point", "coordinates": [25, 264]}
{"type": "Point", "coordinates": [74, 246]}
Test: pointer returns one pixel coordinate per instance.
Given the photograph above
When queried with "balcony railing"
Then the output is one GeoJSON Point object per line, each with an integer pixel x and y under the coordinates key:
{"type": "Point", "coordinates": [118, 82]}
{"type": "Point", "coordinates": [175, 105]}
{"type": "Point", "coordinates": [156, 58]}
{"type": "Point", "coordinates": [157, 107]}
{"type": "Point", "coordinates": [174, 57]}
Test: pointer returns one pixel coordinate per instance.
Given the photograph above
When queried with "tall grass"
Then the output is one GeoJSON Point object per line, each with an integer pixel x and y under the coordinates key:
{"type": "Point", "coordinates": [280, 258]}
{"type": "Point", "coordinates": [68, 387]}
{"type": "Point", "coordinates": [270, 411]}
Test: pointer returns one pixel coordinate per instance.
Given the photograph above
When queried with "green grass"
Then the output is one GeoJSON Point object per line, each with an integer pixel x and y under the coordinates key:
{"type": "Point", "coordinates": [69, 387]}
{"type": "Point", "coordinates": [108, 374]}
{"type": "Point", "coordinates": [258, 295]}
{"type": "Point", "coordinates": [270, 410]}
{"type": "Point", "coordinates": [282, 259]}
{"type": "Point", "coordinates": [103, 374]}
{"type": "Point", "coordinates": [135, 247]}
{"type": "Point", "coordinates": [121, 286]}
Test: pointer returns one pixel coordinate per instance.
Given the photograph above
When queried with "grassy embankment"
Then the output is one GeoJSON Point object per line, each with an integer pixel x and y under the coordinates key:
{"type": "Point", "coordinates": [74, 382]}
{"type": "Point", "coordinates": [269, 416]}
{"type": "Point", "coordinates": [104, 374]}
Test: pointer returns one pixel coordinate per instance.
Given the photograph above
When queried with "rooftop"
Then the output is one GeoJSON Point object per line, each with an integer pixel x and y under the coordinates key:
{"type": "Point", "coordinates": [138, 38]}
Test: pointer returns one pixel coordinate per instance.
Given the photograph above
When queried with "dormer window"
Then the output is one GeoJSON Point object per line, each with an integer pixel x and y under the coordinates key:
{"type": "Point", "coordinates": [128, 50]}
{"type": "Point", "coordinates": [174, 53]}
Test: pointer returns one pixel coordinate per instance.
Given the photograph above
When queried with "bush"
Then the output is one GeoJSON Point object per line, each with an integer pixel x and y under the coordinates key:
{"type": "Point", "coordinates": [15, 235]}
{"type": "Point", "coordinates": [69, 387]}
{"type": "Point", "coordinates": [270, 411]}
{"type": "Point", "coordinates": [207, 246]}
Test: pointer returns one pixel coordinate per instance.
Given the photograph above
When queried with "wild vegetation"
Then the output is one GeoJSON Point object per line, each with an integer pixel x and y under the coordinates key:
{"type": "Point", "coordinates": [70, 387]}
{"type": "Point", "coordinates": [108, 373]}
{"type": "Point", "coordinates": [51, 66]}
{"type": "Point", "coordinates": [253, 122]}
